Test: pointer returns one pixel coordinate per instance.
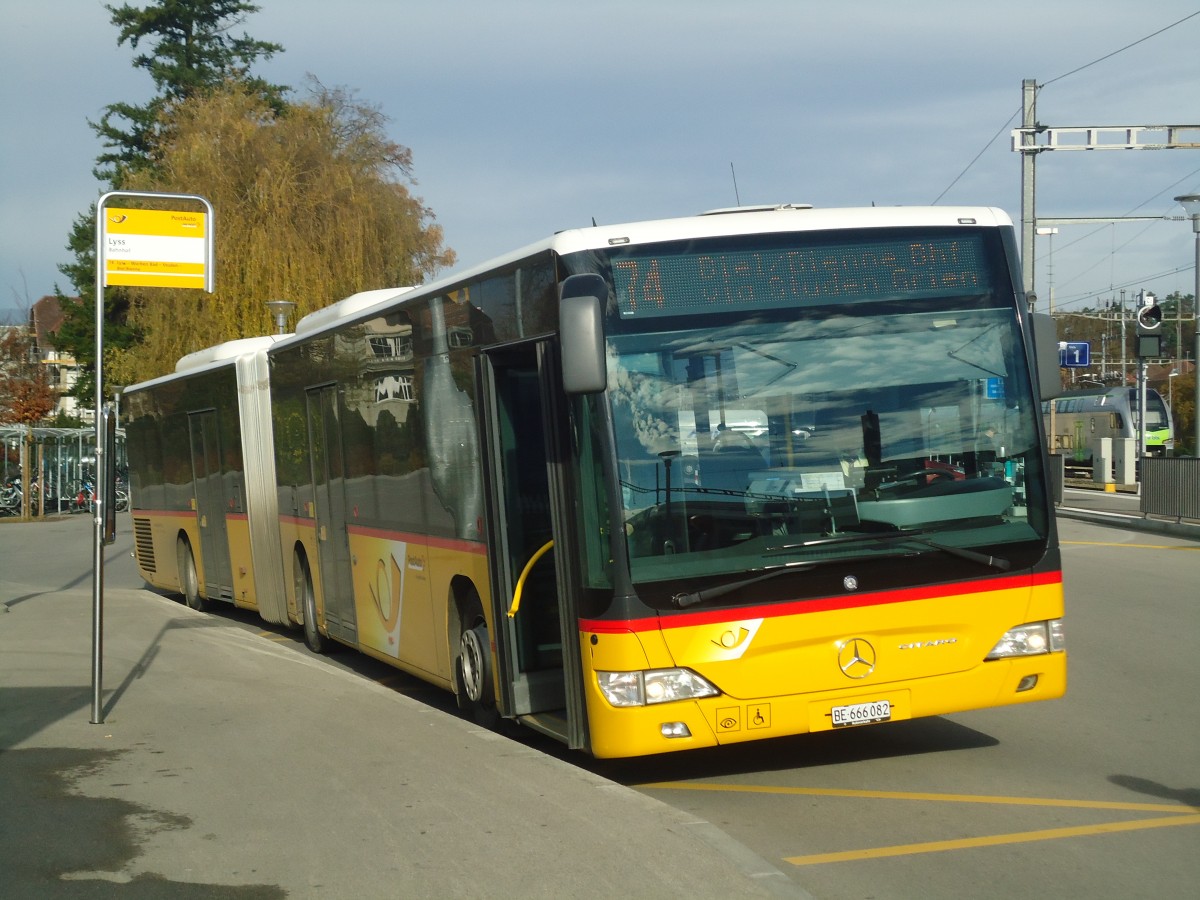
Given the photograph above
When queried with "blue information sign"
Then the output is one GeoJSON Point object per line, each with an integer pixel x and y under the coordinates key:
{"type": "Point", "coordinates": [1075, 355]}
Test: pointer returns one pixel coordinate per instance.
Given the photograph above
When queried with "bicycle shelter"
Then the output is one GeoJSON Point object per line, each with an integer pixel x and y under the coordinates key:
{"type": "Point", "coordinates": [62, 459]}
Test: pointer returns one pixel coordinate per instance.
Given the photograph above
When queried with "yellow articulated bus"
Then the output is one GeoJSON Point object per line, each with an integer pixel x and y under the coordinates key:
{"type": "Point", "coordinates": [205, 515]}
{"type": "Point", "coordinates": [654, 486]}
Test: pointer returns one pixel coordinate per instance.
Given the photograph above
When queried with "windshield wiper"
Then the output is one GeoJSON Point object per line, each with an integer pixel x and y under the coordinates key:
{"type": "Point", "coordinates": [995, 562]}
{"type": "Point", "coordinates": [691, 598]}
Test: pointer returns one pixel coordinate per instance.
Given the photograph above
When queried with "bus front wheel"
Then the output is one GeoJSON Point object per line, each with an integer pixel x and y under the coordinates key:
{"type": "Point", "coordinates": [473, 670]}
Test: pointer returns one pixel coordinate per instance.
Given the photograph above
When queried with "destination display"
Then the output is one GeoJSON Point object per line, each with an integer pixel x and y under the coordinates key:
{"type": "Point", "coordinates": [662, 284]}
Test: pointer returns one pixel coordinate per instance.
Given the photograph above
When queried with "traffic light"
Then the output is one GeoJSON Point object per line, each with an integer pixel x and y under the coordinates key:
{"type": "Point", "coordinates": [1149, 322]}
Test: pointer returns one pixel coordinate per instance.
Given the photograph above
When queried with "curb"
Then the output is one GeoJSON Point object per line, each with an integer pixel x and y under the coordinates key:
{"type": "Point", "coordinates": [1186, 530]}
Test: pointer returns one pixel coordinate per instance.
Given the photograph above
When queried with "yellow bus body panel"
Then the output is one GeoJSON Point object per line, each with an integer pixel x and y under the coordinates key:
{"type": "Point", "coordinates": [155, 536]}
{"type": "Point", "coordinates": [403, 592]}
{"type": "Point", "coordinates": [241, 563]}
{"type": "Point", "coordinates": [782, 674]}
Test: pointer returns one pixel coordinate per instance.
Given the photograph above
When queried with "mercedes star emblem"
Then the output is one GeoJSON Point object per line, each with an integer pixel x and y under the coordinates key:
{"type": "Point", "coordinates": [856, 658]}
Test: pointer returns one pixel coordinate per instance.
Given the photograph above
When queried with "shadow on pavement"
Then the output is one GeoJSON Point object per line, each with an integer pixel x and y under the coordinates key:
{"type": "Point", "coordinates": [105, 834]}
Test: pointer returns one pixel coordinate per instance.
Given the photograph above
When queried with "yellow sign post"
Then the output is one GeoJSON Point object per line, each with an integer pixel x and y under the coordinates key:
{"type": "Point", "coordinates": [135, 248]}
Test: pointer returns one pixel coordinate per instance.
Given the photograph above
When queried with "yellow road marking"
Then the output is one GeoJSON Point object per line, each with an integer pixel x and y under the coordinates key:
{"type": "Point", "coordinates": [1132, 546]}
{"type": "Point", "coordinates": [925, 796]}
{"type": "Point", "coordinates": [1177, 815]}
{"type": "Point", "coordinates": [992, 840]}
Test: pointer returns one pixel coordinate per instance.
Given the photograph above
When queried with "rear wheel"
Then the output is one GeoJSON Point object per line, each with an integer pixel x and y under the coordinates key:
{"type": "Point", "coordinates": [473, 669]}
{"type": "Point", "coordinates": [189, 583]}
{"type": "Point", "coordinates": [307, 601]}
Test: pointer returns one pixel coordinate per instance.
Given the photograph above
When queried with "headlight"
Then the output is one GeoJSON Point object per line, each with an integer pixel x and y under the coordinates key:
{"type": "Point", "coordinates": [653, 686]}
{"type": "Point", "coordinates": [1032, 639]}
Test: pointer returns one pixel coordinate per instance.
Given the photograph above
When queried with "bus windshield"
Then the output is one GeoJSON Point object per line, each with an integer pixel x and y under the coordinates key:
{"type": "Point", "coordinates": [743, 435]}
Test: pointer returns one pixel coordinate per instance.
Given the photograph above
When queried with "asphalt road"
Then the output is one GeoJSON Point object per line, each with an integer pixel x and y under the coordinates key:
{"type": "Point", "coordinates": [1095, 795]}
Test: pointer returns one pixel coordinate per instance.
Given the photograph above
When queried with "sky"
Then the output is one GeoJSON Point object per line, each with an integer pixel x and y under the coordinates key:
{"type": "Point", "coordinates": [526, 117]}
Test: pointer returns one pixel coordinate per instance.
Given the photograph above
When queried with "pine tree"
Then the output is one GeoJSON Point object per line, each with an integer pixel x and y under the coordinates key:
{"type": "Point", "coordinates": [190, 52]}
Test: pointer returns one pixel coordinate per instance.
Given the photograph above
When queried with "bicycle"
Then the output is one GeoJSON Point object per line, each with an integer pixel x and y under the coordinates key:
{"type": "Point", "coordinates": [11, 499]}
{"type": "Point", "coordinates": [86, 498]}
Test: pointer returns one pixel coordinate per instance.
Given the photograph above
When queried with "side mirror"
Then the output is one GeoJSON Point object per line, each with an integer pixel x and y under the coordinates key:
{"type": "Point", "coordinates": [1045, 349]}
{"type": "Point", "coordinates": [581, 334]}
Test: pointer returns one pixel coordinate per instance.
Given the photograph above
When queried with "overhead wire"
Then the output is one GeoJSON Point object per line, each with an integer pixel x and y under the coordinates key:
{"type": "Point", "coordinates": [1116, 249]}
{"type": "Point", "coordinates": [1122, 50]}
{"type": "Point", "coordinates": [1139, 280]}
{"type": "Point", "coordinates": [1074, 71]}
{"type": "Point", "coordinates": [1113, 251]}
{"type": "Point", "coordinates": [1003, 128]}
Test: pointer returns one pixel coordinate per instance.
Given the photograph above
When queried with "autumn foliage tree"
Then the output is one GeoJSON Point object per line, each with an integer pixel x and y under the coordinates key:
{"type": "Point", "coordinates": [26, 396]}
{"type": "Point", "coordinates": [312, 200]}
{"type": "Point", "coordinates": [312, 204]}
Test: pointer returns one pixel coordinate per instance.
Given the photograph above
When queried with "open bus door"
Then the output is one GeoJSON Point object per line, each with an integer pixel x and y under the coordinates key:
{"type": "Point", "coordinates": [537, 649]}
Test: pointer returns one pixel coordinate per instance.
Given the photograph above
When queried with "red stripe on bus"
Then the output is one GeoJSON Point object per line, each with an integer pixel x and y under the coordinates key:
{"type": "Point", "coordinates": [818, 604]}
{"type": "Point", "coordinates": [179, 514]}
{"type": "Point", "coordinates": [164, 513]}
{"type": "Point", "coordinates": [440, 543]}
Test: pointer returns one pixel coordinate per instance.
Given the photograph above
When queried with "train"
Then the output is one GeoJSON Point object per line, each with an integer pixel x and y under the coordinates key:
{"type": "Point", "coordinates": [1083, 416]}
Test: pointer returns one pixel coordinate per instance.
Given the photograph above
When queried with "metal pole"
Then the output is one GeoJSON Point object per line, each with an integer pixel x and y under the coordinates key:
{"type": "Point", "coordinates": [1191, 205]}
{"type": "Point", "coordinates": [98, 518]}
{"type": "Point", "coordinates": [1141, 409]}
{"type": "Point", "coordinates": [1124, 345]}
{"type": "Point", "coordinates": [1028, 180]}
{"type": "Point", "coordinates": [1196, 350]}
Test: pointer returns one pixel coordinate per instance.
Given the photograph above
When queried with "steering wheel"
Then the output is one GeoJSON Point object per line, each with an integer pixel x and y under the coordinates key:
{"type": "Point", "coordinates": [930, 476]}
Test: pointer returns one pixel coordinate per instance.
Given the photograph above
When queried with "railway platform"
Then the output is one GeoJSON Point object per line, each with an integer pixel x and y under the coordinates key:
{"type": "Point", "coordinates": [1120, 508]}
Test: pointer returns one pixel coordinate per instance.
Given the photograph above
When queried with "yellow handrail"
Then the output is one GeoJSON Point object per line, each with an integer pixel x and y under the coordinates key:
{"type": "Point", "coordinates": [516, 601]}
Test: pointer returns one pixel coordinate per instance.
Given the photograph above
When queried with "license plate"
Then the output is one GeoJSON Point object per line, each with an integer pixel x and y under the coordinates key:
{"type": "Point", "coordinates": [862, 713]}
